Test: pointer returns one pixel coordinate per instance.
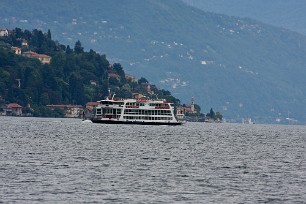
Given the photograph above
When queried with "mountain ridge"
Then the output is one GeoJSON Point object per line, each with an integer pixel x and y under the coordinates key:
{"type": "Point", "coordinates": [286, 14]}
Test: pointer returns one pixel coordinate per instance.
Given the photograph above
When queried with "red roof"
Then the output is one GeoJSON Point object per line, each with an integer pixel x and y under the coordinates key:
{"type": "Point", "coordinates": [113, 75]}
{"type": "Point", "coordinates": [15, 48]}
{"type": "Point", "coordinates": [30, 53]}
{"type": "Point", "coordinates": [42, 56]}
{"type": "Point", "coordinates": [34, 54]}
{"type": "Point", "coordinates": [13, 105]}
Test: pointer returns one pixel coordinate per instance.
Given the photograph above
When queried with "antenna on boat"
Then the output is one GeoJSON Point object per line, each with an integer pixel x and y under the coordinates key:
{"type": "Point", "coordinates": [109, 94]}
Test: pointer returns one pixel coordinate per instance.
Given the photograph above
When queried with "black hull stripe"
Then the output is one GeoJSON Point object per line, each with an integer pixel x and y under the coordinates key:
{"type": "Point", "coordinates": [135, 122]}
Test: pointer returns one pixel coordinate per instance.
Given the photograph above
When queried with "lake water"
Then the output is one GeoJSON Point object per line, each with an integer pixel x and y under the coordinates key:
{"type": "Point", "coordinates": [70, 161]}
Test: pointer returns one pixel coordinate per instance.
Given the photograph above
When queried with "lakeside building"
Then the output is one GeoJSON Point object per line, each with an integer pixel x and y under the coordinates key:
{"type": "Point", "coordinates": [4, 32]}
{"type": "Point", "coordinates": [138, 96]}
{"type": "Point", "coordinates": [16, 50]}
{"type": "Point", "coordinates": [130, 77]}
{"type": "Point", "coordinates": [11, 109]}
{"type": "Point", "coordinates": [24, 43]}
{"type": "Point", "coordinates": [188, 109]}
{"type": "Point", "coordinates": [45, 59]}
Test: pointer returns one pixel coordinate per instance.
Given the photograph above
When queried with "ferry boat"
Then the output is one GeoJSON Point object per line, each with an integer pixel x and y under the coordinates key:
{"type": "Point", "coordinates": [135, 111]}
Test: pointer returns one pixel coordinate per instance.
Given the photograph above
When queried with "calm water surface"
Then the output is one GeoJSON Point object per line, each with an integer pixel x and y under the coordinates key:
{"type": "Point", "coordinates": [70, 161]}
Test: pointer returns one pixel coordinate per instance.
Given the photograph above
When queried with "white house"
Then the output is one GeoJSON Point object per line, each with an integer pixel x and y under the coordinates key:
{"type": "Point", "coordinates": [3, 32]}
{"type": "Point", "coordinates": [17, 50]}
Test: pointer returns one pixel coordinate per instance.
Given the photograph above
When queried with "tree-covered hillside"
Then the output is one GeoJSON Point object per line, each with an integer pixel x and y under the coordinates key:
{"type": "Point", "coordinates": [74, 76]}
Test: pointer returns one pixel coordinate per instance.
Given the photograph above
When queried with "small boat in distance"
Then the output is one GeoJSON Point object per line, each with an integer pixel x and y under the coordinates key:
{"type": "Point", "coordinates": [135, 111]}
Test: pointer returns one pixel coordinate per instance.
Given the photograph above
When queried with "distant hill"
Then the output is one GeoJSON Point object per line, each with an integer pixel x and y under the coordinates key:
{"type": "Point", "coordinates": [240, 67]}
{"type": "Point", "coordinates": [283, 13]}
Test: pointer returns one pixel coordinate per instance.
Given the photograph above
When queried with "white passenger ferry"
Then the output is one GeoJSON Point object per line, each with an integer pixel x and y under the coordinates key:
{"type": "Point", "coordinates": [134, 111]}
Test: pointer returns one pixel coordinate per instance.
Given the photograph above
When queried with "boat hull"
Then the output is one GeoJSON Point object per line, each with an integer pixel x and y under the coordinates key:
{"type": "Point", "coordinates": [134, 122]}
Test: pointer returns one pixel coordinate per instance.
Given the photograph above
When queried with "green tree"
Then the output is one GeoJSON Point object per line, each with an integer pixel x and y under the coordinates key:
{"type": "Point", "coordinates": [119, 70]}
{"type": "Point", "coordinates": [27, 35]}
{"type": "Point", "coordinates": [197, 108]}
{"type": "Point", "coordinates": [219, 116]}
{"type": "Point", "coordinates": [49, 34]}
{"type": "Point", "coordinates": [211, 114]}
{"type": "Point", "coordinates": [69, 50]}
{"type": "Point", "coordinates": [142, 80]}
{"type": "Point", "coordinates": [76, 88]}
{"type": "Point", "coordinates": [18, 33]}
{"type": "Point", "coordinates": [58, 61]}
{"type": "Point", "coordinates": [126, 87]}
{"type": "Point", "coordinates": [4, 81]}
{"type": "Point", "coordinates": [44, 98]}
{"type": "Point", "coordinates": [78, 49]}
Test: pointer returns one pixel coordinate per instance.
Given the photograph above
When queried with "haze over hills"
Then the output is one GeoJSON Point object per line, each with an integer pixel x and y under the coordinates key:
{"type": "Point", "coordinates": [240, 67]}
{"type": "Point", "coordinates": [287, 14]}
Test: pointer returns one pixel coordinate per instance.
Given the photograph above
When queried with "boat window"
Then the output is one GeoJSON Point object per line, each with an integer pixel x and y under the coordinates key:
{"type": "Point", "coordinates": [107, 103]}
